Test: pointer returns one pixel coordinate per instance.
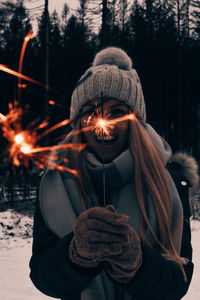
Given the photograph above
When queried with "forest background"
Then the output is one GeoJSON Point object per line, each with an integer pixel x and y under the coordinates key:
{"type": "Point", "coordinates": [162, 38]}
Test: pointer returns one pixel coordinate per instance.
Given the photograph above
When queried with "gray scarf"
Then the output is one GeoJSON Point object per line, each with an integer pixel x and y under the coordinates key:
{"type": "Point", "coordinates": [60, 204]}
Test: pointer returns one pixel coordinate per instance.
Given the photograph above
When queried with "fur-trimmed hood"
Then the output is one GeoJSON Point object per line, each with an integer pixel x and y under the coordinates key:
{"type": "Point", "coordinates": [180, 162]}
{"type": "Point", "coordinates": [188, 166]}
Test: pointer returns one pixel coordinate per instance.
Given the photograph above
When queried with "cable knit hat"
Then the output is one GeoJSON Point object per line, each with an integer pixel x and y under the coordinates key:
{"type": "Point", "coordinates": [110, 76]}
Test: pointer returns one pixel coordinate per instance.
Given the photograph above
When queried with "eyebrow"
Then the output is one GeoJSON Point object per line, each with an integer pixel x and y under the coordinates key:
{"type": "Point", "coordinates": [117, 105]}
{"type": "Point", "coordinates": [93, 106]}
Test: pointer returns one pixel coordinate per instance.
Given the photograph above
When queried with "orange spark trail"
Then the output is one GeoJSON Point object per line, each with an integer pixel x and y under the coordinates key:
{"type": "Point", "coordinates": [104, 125]}
{"type": "Point", "coordinates": [19, 75]}
{"type": "Point", "coordinates": [2, 117]}
{"type": "Point", "coordinates": [58, 125]}
{"type": "Point", "coordinates": [23, 144]}
{"type": "Point", "coordinates": [29, 36]}
{"type": "Point", "coordinates": [79, 147]}
{"type": "Point", "coordinates": [52, 102]}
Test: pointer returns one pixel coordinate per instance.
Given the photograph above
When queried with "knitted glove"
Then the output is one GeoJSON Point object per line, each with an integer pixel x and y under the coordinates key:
{"type": "Point", "coordinates": [99, 232]}
{"type": "Point", "coordinates": [122, 267]}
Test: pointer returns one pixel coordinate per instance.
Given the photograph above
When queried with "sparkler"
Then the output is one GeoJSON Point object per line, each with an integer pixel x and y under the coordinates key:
{"type": "Point", "coordinates": [23, 144]}
{"type": "Point", "coordinates": [103, 125]}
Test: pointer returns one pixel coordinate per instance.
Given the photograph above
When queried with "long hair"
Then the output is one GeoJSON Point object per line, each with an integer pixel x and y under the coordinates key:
{"type": "Point", "coordinates": [150, 177]}
{"type": "Point", "coordinates": [76, 162]}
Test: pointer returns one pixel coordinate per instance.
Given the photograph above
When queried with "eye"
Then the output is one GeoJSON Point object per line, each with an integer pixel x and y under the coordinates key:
{"type": "Point", "coordinates": [87, 112]}
{"type": "Point", "coordinates": [117, 112]}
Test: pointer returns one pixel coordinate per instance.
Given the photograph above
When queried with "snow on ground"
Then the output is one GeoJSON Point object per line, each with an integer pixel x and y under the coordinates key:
{"type": "Point", "coordinates": [194, 289]}
{"type": "Point", "coordinates": [15, 253]}
{"type": "Point", "coordinates": [14, 276]}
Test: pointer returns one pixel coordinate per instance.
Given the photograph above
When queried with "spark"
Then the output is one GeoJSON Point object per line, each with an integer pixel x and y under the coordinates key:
{"type": "Point", "coordinates": [23, 144]}
{"type": "Point", "coordinates": [53, 103]}
{"type": "Point", "coordinates": [104, 125]}
{"type": "Point", "coordinates": [2, 117]}
{"type": "Point", "coordinates": [29, 36]}
{"type": "Point", "coordinates": [100, 123]}
{"type": "Point", "coordinates": [19, 75]}
{"type": "Point", "coordinates": [26, 149]}
{"type": "Point", "coordinates": [58, 125]}
{"type": "Point", "coordinates": [19, 138]}
{"type": "Point", "coordinates": [22, 85]}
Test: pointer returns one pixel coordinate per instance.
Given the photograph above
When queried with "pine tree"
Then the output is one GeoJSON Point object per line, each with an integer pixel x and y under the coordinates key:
{"type": "Point", "coordinates": [195, 19]}
{"type": "Point", "coordinates": [82, 11]}
{"type": "Point", "coordinates": [16, 23]}
{"type": "Point", "coordinates": [123, 13]}
{"type": "Point", "coordinates": [78, 50]}
{"type": "Point", "coordinates": [65, 13]}
{"type": "Point", "coordinates": [15, 31]}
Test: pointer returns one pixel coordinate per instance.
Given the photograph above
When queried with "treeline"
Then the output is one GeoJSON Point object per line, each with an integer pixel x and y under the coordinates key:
{"type": "Point", "coordinates": [162, 38]}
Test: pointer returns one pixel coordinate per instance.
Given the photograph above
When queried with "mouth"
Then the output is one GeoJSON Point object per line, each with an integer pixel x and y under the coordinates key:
{"type": "Point", "coordinates": [105, 139]}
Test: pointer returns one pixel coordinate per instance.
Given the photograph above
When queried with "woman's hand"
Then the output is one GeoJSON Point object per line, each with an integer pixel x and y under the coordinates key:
{"type": "Point", "coordinates": [102, 235]}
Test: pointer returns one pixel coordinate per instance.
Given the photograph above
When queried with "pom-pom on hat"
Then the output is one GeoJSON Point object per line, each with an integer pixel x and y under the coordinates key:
{"type": "Point", "coordinates": [110, 76]}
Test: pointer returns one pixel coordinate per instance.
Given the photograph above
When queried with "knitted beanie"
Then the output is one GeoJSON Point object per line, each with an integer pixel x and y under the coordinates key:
{"type": "Point", "coordinates": [110, 76]}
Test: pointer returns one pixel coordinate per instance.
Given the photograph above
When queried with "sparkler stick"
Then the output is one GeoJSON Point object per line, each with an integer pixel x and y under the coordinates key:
{"type": "Point", "coordinates": [103, 156]}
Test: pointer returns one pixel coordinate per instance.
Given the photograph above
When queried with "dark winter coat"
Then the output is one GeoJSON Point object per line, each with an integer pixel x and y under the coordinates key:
{"type": "Point", "coordinates": [154, 280]}
{"type": "Point", "coordinates": [55, 275]}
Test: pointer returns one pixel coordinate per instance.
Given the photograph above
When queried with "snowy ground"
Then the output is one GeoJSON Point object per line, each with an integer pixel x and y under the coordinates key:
{"type": "Point", "coordinates": [194, 289]}
{"type": "Point", "coordinates": [15, 252]}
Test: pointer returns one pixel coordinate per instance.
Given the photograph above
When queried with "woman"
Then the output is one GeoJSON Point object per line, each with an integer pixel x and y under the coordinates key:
{"type": "Point", "coordinates": [110, 225]}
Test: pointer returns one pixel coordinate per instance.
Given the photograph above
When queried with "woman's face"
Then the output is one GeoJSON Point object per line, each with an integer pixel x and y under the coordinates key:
{"type": "Point", "coordinates": [117, 140]}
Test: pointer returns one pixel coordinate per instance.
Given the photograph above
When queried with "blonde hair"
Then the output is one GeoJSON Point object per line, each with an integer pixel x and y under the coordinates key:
{"type": "Point", "coordinates": [150, 175]}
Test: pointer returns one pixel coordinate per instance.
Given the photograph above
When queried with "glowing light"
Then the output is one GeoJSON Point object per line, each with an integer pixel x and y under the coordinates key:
{"type": "Point", "coordinates": [58, 125]}
{"type": "Point", "coordinates": [105, 125]}
{"type": "Point", "coordinates": [23, 86]}
{"type": "Point", "coordinates": [2, 117]}
{"type": "Point", "coordinates": [101, 123]}
{"type": "Point", "coordinates": [19, 138]}
{"type": "Point", "coordinates": [19, 75]}
{"type": "Point", "coordinates": [51, 102]}
{"type": "Point", "coordinates": [25, 149]}
{"type": "Point", "coordinates": [132, 117]}
{"type": "Point", "coordinates": [23, 144]}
